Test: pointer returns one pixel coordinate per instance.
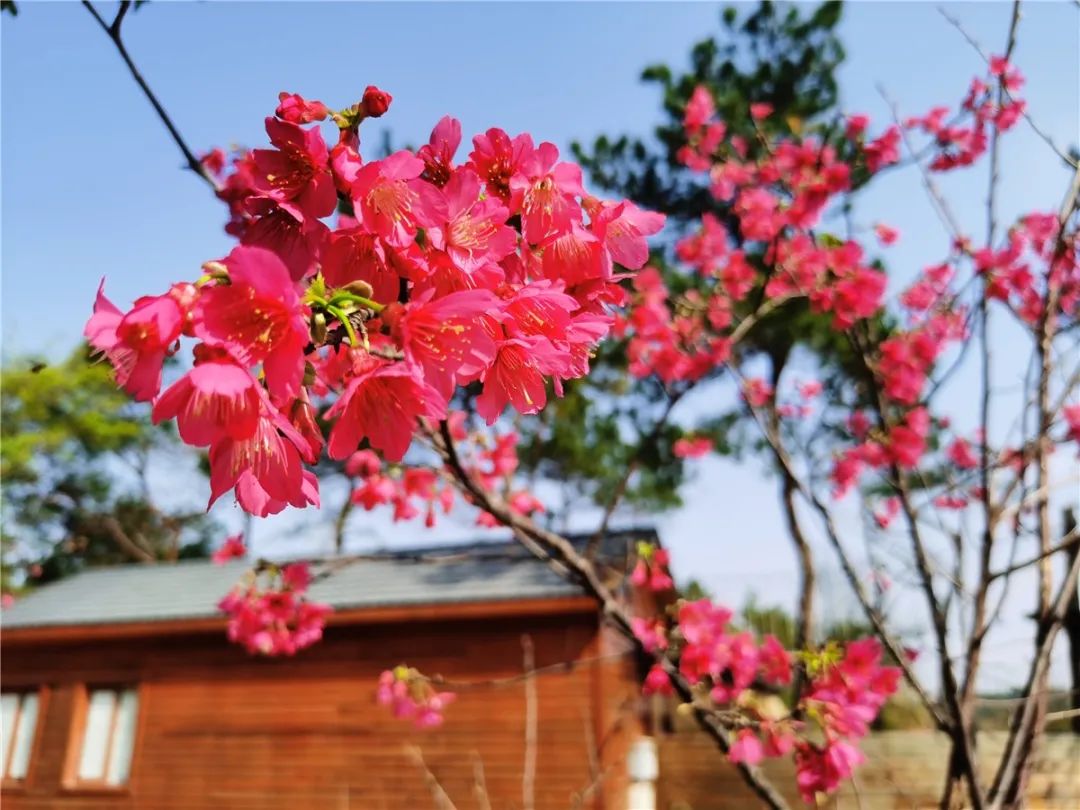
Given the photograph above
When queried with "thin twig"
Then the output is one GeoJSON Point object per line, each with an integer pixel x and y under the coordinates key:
{"type": "Point", "coordinates": [480, 783]}
{"type": "Point", "coordinates": [113, 33]}
{"type": "Point", "coordinates": [438, 794]}
{"type": "Point", "coordinates": [560, 553]}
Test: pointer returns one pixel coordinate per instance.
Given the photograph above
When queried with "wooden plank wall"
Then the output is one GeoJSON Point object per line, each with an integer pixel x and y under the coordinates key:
{"type": "Point", "coordinates": [218, 729]}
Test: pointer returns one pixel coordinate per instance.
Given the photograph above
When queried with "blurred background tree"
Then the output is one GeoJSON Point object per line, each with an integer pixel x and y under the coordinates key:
{"type": "Point", "coordinates": [610, 439]}
{"type": "Point", "coordinates": [76, 464]}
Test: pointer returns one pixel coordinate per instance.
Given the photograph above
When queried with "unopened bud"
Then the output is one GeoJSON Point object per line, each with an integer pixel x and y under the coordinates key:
{"type": "Point", "coordinates": [359, 287]}
{"type": "Point", "coordinates": [318, 328]}
{"type": "Point", "coordinates": [375, 102]}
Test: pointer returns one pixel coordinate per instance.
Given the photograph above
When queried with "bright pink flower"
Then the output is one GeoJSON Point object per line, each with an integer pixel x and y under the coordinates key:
{"type": "Point", "coordinates": [622, 227]}
{"type": "Point", "coordinates": [232, 549]}
{"type": "Point", "coordinates": [135, 343]}
{"type": "Point", "coordinates": [363, 464]}
{"type": "Point", "coordinates": [699, 109]}
{"type": "Point", "coordinates": [516, 377]}
{"type": "Point", "coordinates": [757, 210]}
{"type": "Point", "coordinates": [907, 441]}
{"type": "Point", "coordinates": [859, 424]}
{"type": "Point", "coordinates": [214, 161]}
{"type": "Point", "coordinates": [265, 469]}
{"type": "Point", "coordinates": [283, 229]}
{"type": "Point", "coordinates": [544, 193]}
{"type": "Point", "coordinates": [297, 170]}
{"type": "Point", "coordinates": [448, 338]}
{"type": "Point", "coordinates": [886, 234]}
{"type": "Point", "coordinates": [888, 513]}
{"type": "Point", "coordinates": [471, 228]}
{"type": "Point", "coordinates": [746, 748]}
{"type": "Point", "coordinates": [376, 490]}
{"type": "Point", "coordinates": [737, 276]}
{"type": "Point", "coordinates": [657, 682]}
{"type": "Point", "coordinates": [540, 308]}
{"type": "Point", "coordinates": [761, 110]}
{"type": "Point", "coordinates": [216, 399]}
{"type": "Point", "coordinates": [961, 454]}
{"type": "Point", "coordinates": [884, 151]}
{"type": "Point", "coordinates": [856, 126]}
{"type": "Point", "coordinates": [438, 152]}
{"type": "Point", "coordinates": [822, 770]}
{"type": "Point", "coordinates": [382, 405]}
{"type": "Point", "coordinates": [650, 632]}
{"type": "Point", "coordinates": [651, 569]}
{"type": "Point", "coordinates": [411, 696]}
{"type": "Point", "coordinates": [1071, 414]}
{"type": "Point", "coordinates": [575, 256]}
{"type": "Point", "coordinates": [387, 197]}
{"type": "Point", "coordinates": [956, 502]}
{"type": "Point", "coordinates": [275, 621]}
{"type": "Point", "coordinates": [757, 392]}
{"type": "Point", "coordinates": [296, 576]}
{"type": "Point", "coordinates": [354, 254]}
{"type": "Point", "coordinates": [258, 318]}
{"type": "Point", "coordinates": [297, 110]}
{"type": "Point", "coordinates": [694, 447]}
{"type": "Point", "coordinates": [524, 503]}
{"type": "Point", "coordinates": [775, 661]}
{"type": "Point", "coordinates": [497, 159]}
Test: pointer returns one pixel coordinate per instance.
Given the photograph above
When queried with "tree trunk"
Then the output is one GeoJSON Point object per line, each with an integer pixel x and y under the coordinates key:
{"type": "Point", "coordinates": [1072, 629]}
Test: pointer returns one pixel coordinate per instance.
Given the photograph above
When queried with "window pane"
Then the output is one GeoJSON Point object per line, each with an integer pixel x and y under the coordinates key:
{"type": "Point", "coordinates": [123, 738]}
{"type": "Point", "coordinates": [24, 737]}
{"type": "Point", "coordinates": [9, 707]}
{"type": "Point", "coordinates": [99, 717]}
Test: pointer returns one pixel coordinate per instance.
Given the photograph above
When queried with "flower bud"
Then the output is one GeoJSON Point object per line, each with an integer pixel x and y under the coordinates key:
{"type": "Point", "coordinates": [359, 287]}
{"type": "Point", "coordinates": [318, 330]}
{"type": "Point", "coordinates": [375, 102]}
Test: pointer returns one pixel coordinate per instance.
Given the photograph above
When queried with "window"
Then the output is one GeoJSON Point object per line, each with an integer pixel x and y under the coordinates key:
{"type": "Point", "coordinates": [108, 737]}
{"type": "Point", "coordinates": [18, 722]}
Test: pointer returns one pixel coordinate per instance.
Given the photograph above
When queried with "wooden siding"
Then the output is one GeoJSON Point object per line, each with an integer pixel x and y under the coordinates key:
{"type": "Point", "coordinates": [218, 729]}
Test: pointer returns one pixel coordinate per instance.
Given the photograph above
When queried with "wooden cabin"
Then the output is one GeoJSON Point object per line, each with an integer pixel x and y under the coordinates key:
{"type": "Point", "coordinates": [120, 690]}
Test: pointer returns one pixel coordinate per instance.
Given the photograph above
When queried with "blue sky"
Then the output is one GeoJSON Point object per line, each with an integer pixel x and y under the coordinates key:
{"type": "Point", "coordinates": [92, 186]}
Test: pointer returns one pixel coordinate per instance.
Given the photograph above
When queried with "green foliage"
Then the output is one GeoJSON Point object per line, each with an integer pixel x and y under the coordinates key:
{"type": "Point", "coordinates": [777, 54]}
{"type": "Point", "coordinates": [74, 461]}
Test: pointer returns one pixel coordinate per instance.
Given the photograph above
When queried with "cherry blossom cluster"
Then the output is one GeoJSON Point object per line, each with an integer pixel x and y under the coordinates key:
{"type": "Point", "coordinates": [268, 612]}
{"type": "Point", "coordinates": [843, 693]}
{"type": "Point", "coordinates": [651, 569]}
{"type": "Point", "coordinates": [489, 457]}
{"type": "Point", "coordinates": [838, 705]}
{"type": "Point", "coordinates": [770, 251]}
{"type": "Point", "coordinates": [961, 138]}
{"type": "Point", "coordinates": [411, 696]}
{"type": "Point", "coordinates": [498, 271]}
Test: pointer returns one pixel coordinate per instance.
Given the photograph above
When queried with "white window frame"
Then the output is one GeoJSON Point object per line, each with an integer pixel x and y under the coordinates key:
{"type": "Point", "coordinates": [19, 735]}
{"type": "Point", "coordinates": [111, 715]}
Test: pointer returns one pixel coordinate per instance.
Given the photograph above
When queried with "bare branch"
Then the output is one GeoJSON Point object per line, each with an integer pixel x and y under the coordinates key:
{"type": "Point", "coordinates": [1069, 541]}
{"type": "Point", "coordinates": [113, 33]}
{"type": "Point", "coordinates": [438, 794]}
{"type": "Point", "coordinates": [1025, 717]}
{"type": "Point", "coordinates": [561, 554]}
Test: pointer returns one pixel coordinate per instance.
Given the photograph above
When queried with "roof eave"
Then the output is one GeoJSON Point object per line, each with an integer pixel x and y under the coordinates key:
{"type": "Point", "coordinates": [390, 614]}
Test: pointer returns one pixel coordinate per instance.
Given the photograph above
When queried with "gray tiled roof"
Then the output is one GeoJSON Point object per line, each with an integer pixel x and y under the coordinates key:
{"type": "Point", "coordinates": [191, 589]}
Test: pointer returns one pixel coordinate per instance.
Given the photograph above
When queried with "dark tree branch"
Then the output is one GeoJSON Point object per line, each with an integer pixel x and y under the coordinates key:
{"type": "Point", "coordinates": [113, 33]}
{"type": "Point", "coordinates": [556, 549]}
